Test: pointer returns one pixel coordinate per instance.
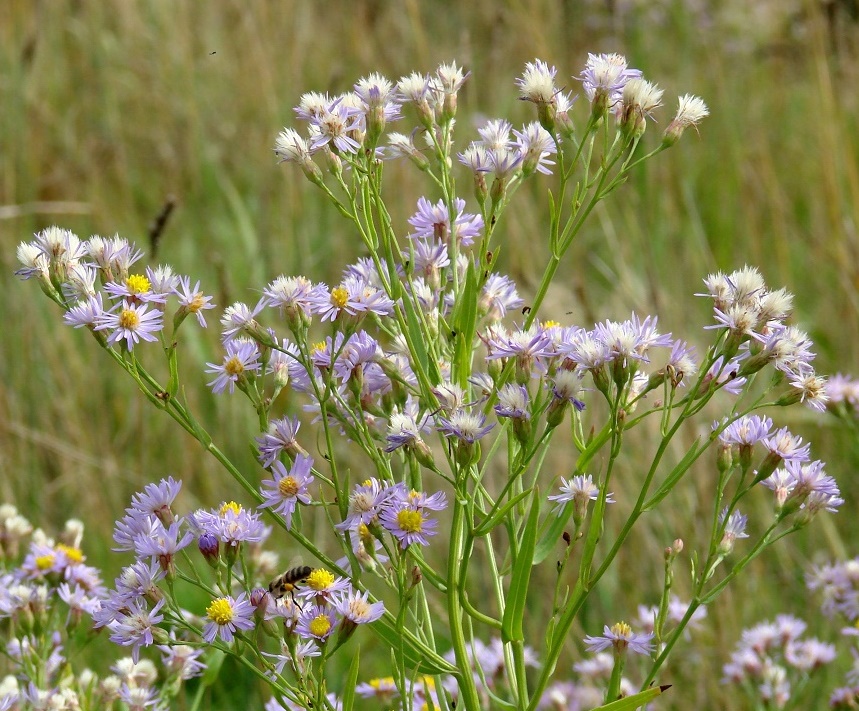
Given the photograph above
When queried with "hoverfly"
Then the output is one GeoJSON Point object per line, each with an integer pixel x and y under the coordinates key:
{"type": "Point", "coordinates": [288, 581]}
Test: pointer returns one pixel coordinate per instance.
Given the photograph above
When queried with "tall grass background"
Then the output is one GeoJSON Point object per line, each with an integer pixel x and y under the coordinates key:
{"type": "Point", "coordinates": [107, 110]}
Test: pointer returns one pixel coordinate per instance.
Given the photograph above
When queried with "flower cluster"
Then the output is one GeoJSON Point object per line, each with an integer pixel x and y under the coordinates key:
{"type": "Point", "coordinates": [757, 335]}
{"type": "Point", "coordinates": [51, 595]}
{"type": "Point", "coordinates": [424, 357]}
{"type": "Point", "coordinates": [92, 280]}
{"type": "Point", "coordinates": [773, 656]}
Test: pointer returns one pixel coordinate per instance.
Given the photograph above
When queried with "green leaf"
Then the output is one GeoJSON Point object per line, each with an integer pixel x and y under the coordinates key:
{"type": "Point", "coordinates": [465, 323]}
{"type": "Point", "coordinates": [514, 611]}
{"type": "Point", "coordinates": [630, 703]}
{"type": "Point", "coordinates": [214, 660]}
{"type": "Point", "coordinates": [553, 532]}
{"type": "Point", "coordinates": [418, 657]}
{"type": "Point", "coordinates": [417, 338]}
{"type": "Point", "coordinates": [347, 698]}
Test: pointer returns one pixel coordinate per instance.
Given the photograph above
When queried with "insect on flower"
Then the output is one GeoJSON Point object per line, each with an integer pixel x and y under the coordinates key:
{"type": "Point", "coordinates": [288, 581]}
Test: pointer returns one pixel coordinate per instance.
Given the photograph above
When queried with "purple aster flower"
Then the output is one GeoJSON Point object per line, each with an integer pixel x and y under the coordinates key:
{"type": "Point", "coordinates": [537, 83]}
{"type": "Point", "coordinates": [139, 698]}
{"type": "Point", "coordinates": [450, 78]}
{"type": "Point", "coordinates": [782, 483]}
{"type": "Point", "coordinates": [293, 296]}
{"type": "Point", "coordinates": [566, 389]}
{"type": "Point", "coordinates": [281, 437]}
{"type": "Point", "coordinates": [323, 588]}
{"type": "Point", "coordinates": [36, 264]}
{"type": "Point", "coordinates": [809, 478]}
{"type": "Point", "coordinates": [88, 312]}
{"type": "Point", "coordinates": [192, 301]}
{"type": "Point", "coordinates": [226, 615]}
{"type": "Point", "coordinates": [404, 431]}
{"type": "Point", "coordinates": [242, 356]}
{"type": "Point", "coordinates": [283, 492]}
{"type": "Point", "coordinates": [496, 135]}
{"type": "Point", "coordinates": [513, 401]}
{"type": "Point", "coordinates": [580, 489]}
{"type": "Point", "coordinates": [80, 282]}
{"type": "Point", "coordinates": [182, 661]}
{"type": "Point", "coordinates": [530, 348]}
{"type": "Point", "coordinates": [535, 145]}
{"type": "Point", "coordinates": [782, 445]}
{"type": "Point", "coordinates": [504, 160]}
{"type": "Point", "coordinates": [357, 609]}
{"type": "Point", "coordinates": [621, 637]}
{"type": "Point", "coordinates": [355, 297]}
{"type": "Point", "coordinates": [808, 654]}
{"type": "Point", "coordinates": [465, 426]}
{"type": "Point", "coordinates": [365, 504]}
{"type": "Point", "coordinates": [360, 351]}
{"type": "Point", "coordinates": [233, 524]}
{"type": "Point", "coordinates": [139, 579]}
{"type": "Point", "coordinates": [585, 350]}
{"type": "Point", "coordinates": [378, 94]}
{"type": "Point", "coordinates": [113, 255]}
{"type": "Point", "coordinates": [290, 146]}
{"type": "Point", "coordinates": [239, 319]}
{"type": "Point", "coordinates": [433, 221]}
{"type": "Point", "coordinates": [135, 289]}
{"type": "Point", "coordinates": [406, 524]}
{"type": "Point", "coordinates": [818, 501]}
{"type": "Point", "coordinates": [335, 125]}
{"type": "Point", "coordinates": [59, 245]}
{"type": "Point", "coordinates": [163, 280]}
{"type": "Point", "coordinates": [130, 527]}
{"type": "Point", "coordinates": [155, 500]}
{"type": "Point", "coordinates": [79, 600]}
{"type": "Point", "coordinates": [134, 627]}
{"type": "Point", "coordinates": [747, 430]}
{"type": "Point", "coordinates": [733, 528]}
{"type": "Point", "coordinates": [726, 375]}
{"type": "Point", "coordinates": [604, 77]}
{"type": "Point", "coordinates": [810, 389]}
{"type": "Point", "coordinates": [430, 259]}
{"type": "Point", "coordinates": [311, 104]}
{"type": "Point", "coordinates": [163, 544]}
{"type": "Point", "coordinates": [476, 158]}
{"type": "Point", "coordinates": [316, 622]}
{"type": "Point", "coordinates": [131, 322]}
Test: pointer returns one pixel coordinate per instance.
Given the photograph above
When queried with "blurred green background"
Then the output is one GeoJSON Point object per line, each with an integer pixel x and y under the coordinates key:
{"type": "Point", "coordinates": [109, 109]}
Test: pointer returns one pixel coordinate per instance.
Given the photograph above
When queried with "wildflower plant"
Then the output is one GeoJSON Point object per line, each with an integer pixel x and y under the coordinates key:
{"type": "Point", "coordinates": [420, 385]}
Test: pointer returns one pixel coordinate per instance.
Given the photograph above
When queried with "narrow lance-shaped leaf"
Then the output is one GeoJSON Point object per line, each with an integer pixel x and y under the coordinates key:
{"type": "Point", "coordinates": [514, 611]}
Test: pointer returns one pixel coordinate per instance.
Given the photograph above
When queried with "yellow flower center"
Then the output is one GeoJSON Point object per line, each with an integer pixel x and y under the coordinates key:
{"type": "Point", "coordinates": [288, 486]}
{"type": "Point", "coordinates": [339, 297]}
{"type": "Point", "coordinates": [45, 562]}
{"type": "Point", "coordinates": [550, 324]}
{"type": "Point", "coordinates": [75, 555]}
{"type": "Point", "coordinates": [320, 579]}
{"type": "Point", "coordinates": [318, 347]}
{"type": "Point", "coordinates": [319, 626]}
{"type": "Point", "coordinates": [621, 629]}
{"type": "Point", "coordinates": [230, 506]}
{"type": "Point", "coordinates": [234, 366]}
{"type": "Point", "coordinates": [410, 521]}
{"type": "Point", "coordinates": [138, 284]}
{"type": "Point", "coordinates": [197, 302]}
{"type": "Point", "coordinates": [376, 683]}
{"type": "Point", "coordinates": [220, 611]}
{"type": "Point", "coordinates": [129, 319]}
